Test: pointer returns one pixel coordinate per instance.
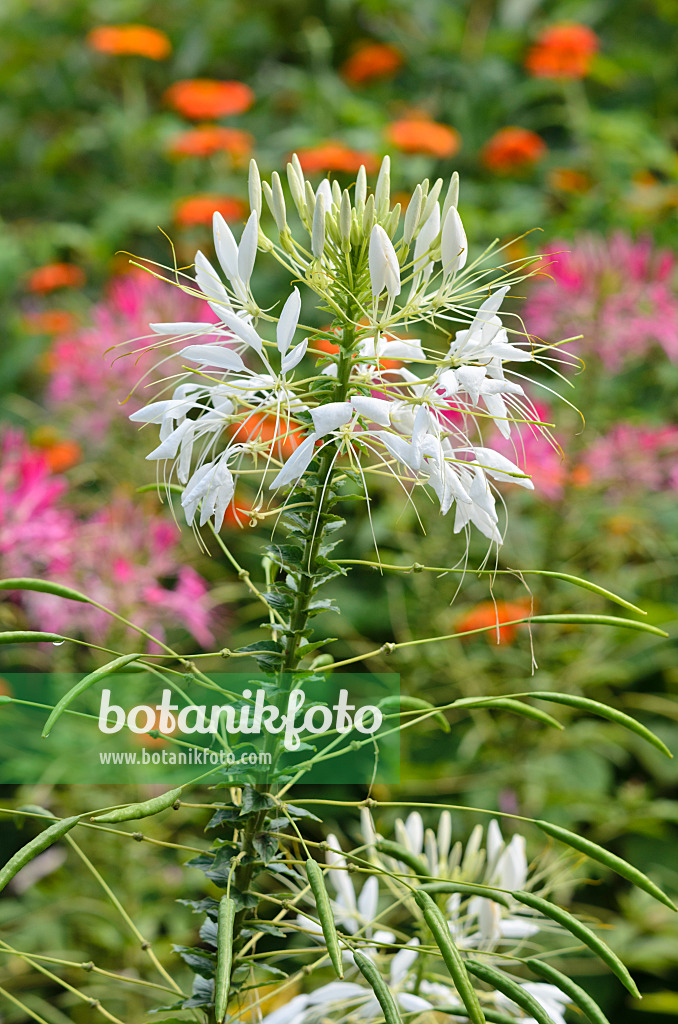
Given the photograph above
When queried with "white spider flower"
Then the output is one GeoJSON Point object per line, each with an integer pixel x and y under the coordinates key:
{"type": "Point", "coordinates": [420, 420]}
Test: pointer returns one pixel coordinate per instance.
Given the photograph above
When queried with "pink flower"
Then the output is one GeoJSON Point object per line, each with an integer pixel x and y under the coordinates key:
{"type": "Point", "coordinates": [93, 370]}
{"type": "Point", "coordinates": [123, 557]}
{"type": "Point", "coordinates": [619, 294]}
{"type": "Point", "coordinates": [630, 457]}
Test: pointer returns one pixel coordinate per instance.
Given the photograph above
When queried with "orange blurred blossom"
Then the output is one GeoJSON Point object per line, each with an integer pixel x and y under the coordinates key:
{"type": "Point", "coordinates": [563, 51]}
{"type": "Point", "coordinates": [55, 275]}
{"type": "Point", "coordinates": [196, 210]}
{"type": "Point", "coordinates": [203, 98]}
{"type": "Point", "coordinates": [208, 139]}
{"type": "Point", "coordinates": [512, 149]}
{"type": "Point", "coordinates": [336, 156]}
{"type": "Point", "coordinates": [51, 321]}
{"type": "Point", "coordinates": [371, 61]}
{"type": "Point", "coordinates": [421, 135]}
{"type": "Point", "coordinates": [130, 40]}
{"type": "Point", "coordinates": [495, 616]}
{"type": "Point", "coordinates": [567, 179]}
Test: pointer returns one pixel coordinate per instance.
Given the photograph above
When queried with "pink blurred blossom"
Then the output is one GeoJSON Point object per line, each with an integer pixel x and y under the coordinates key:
{"type": "Point", "coordinates": [123, 557]}
{"type": "Point", "coordinates": [619, 294]}
{"type": "Point", "coordinates": [635, 458]}
{"type": "Point", "coordinates": [536, 454]}
{"type": "Point", "coordinates": [93, 370]}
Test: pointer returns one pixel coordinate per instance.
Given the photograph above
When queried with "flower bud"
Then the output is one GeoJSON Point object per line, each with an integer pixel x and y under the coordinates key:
{"type": "Point", "coordinates": [361, 189]}
{"type": "Point", "coordinates": [382, 192]}
{"type": "Point", "coordinates": [412, 215]}
{"type": "Point", "coordinates": [296, 185]}
{"type": "Point", "coordinates": [278, 202]}
{"type": "Point", "coordinates": [383, 264]}
{"type": "Point", "coordinates": [431, 200]}
{"type": "Point", "coordinates": [452, 197]}
{"type": "Point", "coordinates": [453, 244]}
{"type": "Point", "coordinates": [254, 188]}
{"type": "Point", "coordinates": [345, 221]}
{"type": "Point", "coordinates": [318, 232]}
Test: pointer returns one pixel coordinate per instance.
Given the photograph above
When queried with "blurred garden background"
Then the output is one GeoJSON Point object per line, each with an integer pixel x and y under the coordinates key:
{"type": "Point", "coordinates": [123, 125]}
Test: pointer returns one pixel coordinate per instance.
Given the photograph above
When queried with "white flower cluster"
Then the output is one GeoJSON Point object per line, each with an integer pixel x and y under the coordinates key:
{"type": "Point", "coordinates": [395, 405]}
{"type": "Point", "coordinates": [476, 924]}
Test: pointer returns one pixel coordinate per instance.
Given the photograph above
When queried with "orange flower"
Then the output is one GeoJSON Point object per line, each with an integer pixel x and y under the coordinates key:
{"type": "Point", "coordinates": [63, 456]}
{"type": "Point", "coordinates": [51, 321]}
{"type": "Point", "coordinates": [512, 149]}
{"type": "Point", "coordinates": [195, 210]}
{"type": "Point", "coordinates": [370, 61]}
{"type": "Point", "coordinates": [208, 139]}
{"type": "Point", "coordinates": [563, 51]}
{"type": "Point", "coordinates": [271, 431]}
{"type": "Point", "coordinates": [420, 135]}
{"type": "Point", "coordinates": [336, 156]}
{"type": "Point", "coordinates": [137, 40]}
{"type": "Point", "coordinates": [200, 98]}
{"type": "Point", "coordinates": [55, 275]}
{"type": "Point", "coordinates": [567, 179]}
{"type": "Point", "coordinates": [487, 614]}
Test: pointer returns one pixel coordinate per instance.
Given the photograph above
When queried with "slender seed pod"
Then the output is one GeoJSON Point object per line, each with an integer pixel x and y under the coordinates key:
{"type": "Point", "coordinates": [579, 997]}
{"type": "Point", "coordinates": [322, 902]}
{"type": "Point", "coordinates": [510, 988]}
{"type": "Point", "coordinates": [254, 188]}
{"type": "Point", "coordinates": [405, 856]}
{"type": "Point", "coordinates": [451, 955]}
{"type": "Point", "coordinates": [318, 231]}
{"type": "Point", "coordinates": [431, 200]}
{"type": "Point", "coordinates": [467, 889]}
{"type": "Point", "coordinates": [84, 684]}
{"type": "Point", "coordinates": [610, 860]}
{"type": "Point", "coordinates": [27, 636]}
{"type": "Point", "coordinates": [412, 214]}
{"type": "Point", "coordinates": [379, 987]}
{"type": "Point", "coordinates": [38, 845]}
{"type": "Point", "coordinates": [404, 702]}
{"type": "Point", "coordinates": [491, 1016]}
{"type": "Point", "coordinates": [222, 978]}
{"type": "Point", "coordinates": [509, 704]}
{"type": "Point", "coordinates": [141, 810]}
{"type": "Point", "coordinates": [44, 587]}
{"type": "Point", "coordinates": [596, 708]}
{"type": "Point", "coordinates": [584, 934]}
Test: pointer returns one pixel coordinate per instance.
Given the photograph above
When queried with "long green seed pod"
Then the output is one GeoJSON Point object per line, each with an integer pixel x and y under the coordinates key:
{"type": "Point", "coordinates": [38, 845]}
{"type": "Point", "coordinates": [451, 955]}
{"type": "Point", "coordinates": [379, 987]}
{"type": "Point", "coordinates": [611, 714]}
{"type": "Point", "coordinates": [222, 978]}
{"type": "Point", "coordinates": [584, 934]}
{"type": "Point", "coordinates": [322, 902]}
{"type": "Point", "coordinates": [610, 860]}
{"type": "Point", "coordinates": [511, 989]}
{"type": "Point", "coordinates": [467, 889]}
{"type": "Point", "coordinates": [84, 684]}
{"type": "Point", "coordinates": [579, 997]}
{"type": "Point", "coordinates": [401, 853]}
{"type": "Point", "coordinates": [141, 810]}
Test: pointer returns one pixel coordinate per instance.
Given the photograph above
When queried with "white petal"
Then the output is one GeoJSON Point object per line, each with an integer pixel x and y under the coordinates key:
{"type": "Point", "coordinates": [293, 358]}
{"type": "Point", "coordinates": [414, 826]}
{"type": "Point", "coordinates": [287, 1013]}
{"type": "Point", "coordinates": [244, 331]}
{"type": "Point", "coordinates": [492, 304]}
{"type": "Point", "coordinates": [401, 348]}
{"type": "Point", "coordinates": [185, 327]}
{"type": "Point", "coordinates": [340, 878]}
{"type": "Point", "coordinates": [330, 416]}
{"type": "Point", "coordinates": [412, 1003]}
{"type": "Point", "coordinates": [209, 283]}
{"type": "Point", "coordinates": [383, 264]}
{"type": "Point", "coordinates": [453, 244]}
{"type": "Point", "coordinates": [297, 463]}
{"type": "Point", "coordinates": [368, 899]}
{"type": "Point", "coordinates": [289, 318]}
{"type": "Point", "coordinates": [425, 239]}
{"type": "Point", "coordinates": [501, 468]}
{"type": "Point", "coordinates": [403, 961]}
{"type": "Point", "coordinates": [225, 246]}
{"type": "Point", "coordinates": [378, 410]}
{"type": "Point", "coordinates": [247, 251]}
{"type": "Point", "coordinates": [213, 355]}
{"type": "Point", "coordinates": [153, 413]}
{"type": "Point", "coordinates": [170, 446]}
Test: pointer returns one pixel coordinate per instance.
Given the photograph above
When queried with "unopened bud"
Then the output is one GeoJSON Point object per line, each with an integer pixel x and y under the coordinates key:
{"type": "Point", "coordinates": [431, 200]}
{"type": "Point", "coordinates": [296, 190]}
{"type": "Point", "coordinates": [345, 221]}
{"type": "Point", "coordinates": [318, 232]}
{"type": "Point", "coordinates": [254, 188]}
{"type": "Point", "coordinates": [278, 200]}
{"type": "Point", "coordinates": [382, 192]}
{"type": "Point", "coordinates": [361, 189]}
{"type": "Point", "coordinates": [369, 215]}
{"type": "Point", "coordinates": [452, 197]}
{"type": "Point", "coordinates": [412, 215]}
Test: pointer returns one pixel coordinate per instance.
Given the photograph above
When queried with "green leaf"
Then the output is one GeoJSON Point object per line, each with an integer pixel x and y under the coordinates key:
{"type": "Point", "coordinates": [94, 677]}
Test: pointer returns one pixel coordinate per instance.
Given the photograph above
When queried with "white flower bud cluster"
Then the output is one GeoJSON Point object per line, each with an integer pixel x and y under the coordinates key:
{"type": "Point", "coordinates": [388, 403]}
